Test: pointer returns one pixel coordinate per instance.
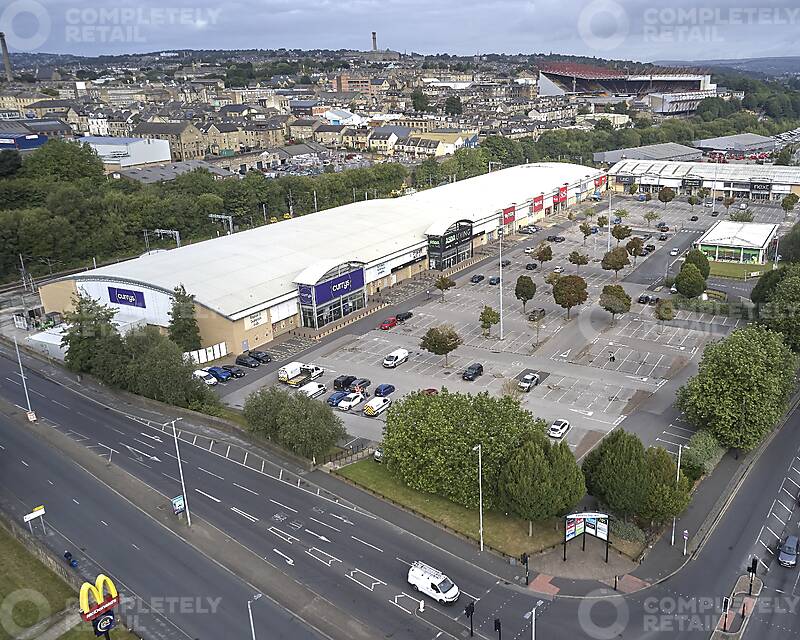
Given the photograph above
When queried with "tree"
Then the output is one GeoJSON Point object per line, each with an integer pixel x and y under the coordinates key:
{"type": "Point", "coordinates": [428, 443]}
{"type": "Point", "coordinates": [443, 283]}
{"type": "Point", "coordinates": [551, 278]}
{"type": "Point", "coordinates": [419, 100]}
{"type": "Point", "coordinates": [664, 311]}
{"type": "Point", "coordinates": [309, 428]}
{"type": "Point", "coordinates": [633, 189]}
{"type": "Point", "coordinates": [615, 471]}
{"type": "Point", "coordinates": [543, 253]}
{"type": "Point", "coordinates": [766, 284]}
{"type": "Point", "coordinates": [620, 232]}
{"type": "Point", "coordinates": [666, 195]}
{"type": "Point", "coordinates": [526, 485]}
{"type": "Point", "coordinates": [665, 498]}
{"type": "Point", "coordinates": [262, 408]}
{"type": "Point", "coordinates": [10, 162]}
{"type": "Point", "coordinates": [690, 282]}
{"type": "Point", "coordinates": [615, 260]}
{"type": "Point", "coordinates": [88, 322]}
{"type": "Point", "coordinates": [61, 161]}
{"type": "Point", "coordinates": [452, 106]}
{"type": "Point", "coordinates": [699, 260]}
{"type": "Point", "coordinates": [787, 204]}
{"type": "Point", "coordinates": [569, 292]}
{"type": "Point", "coordinates": [586, 230]}
{"type": "Point", "coordinates": [783, 307]}
{"type": "Point", "coordinates": [565, 472]}
{"type": "Point", "coordinates": [634, 248]}
{"type": "Point", "coordinates": [525, 290]}
{"type": "Point", "coordinates": [727, 202]}
{"type": "Point", "coordinates": [693, 202]}
{"type": "Point", "coordinates": [615, 300]}
{"type": "Point", "coordinates": [741, 387]}
{"type": "Point", "coordinates": [602, 221]}
{"type": "Point", "coordinates": [650, 217]}
{"type": "Point", "coordinates": [440, 341]}
{"type": "Point", "coordinates": [741, 216]}
{"type": "Point", "coordinates": [578, 259]}
{"type": "Point", "coordinates": [621, 213]}
{"type": "Point", "coordinates": [488, 318]}
{"type": "Point", "coordinates": [183, 329]}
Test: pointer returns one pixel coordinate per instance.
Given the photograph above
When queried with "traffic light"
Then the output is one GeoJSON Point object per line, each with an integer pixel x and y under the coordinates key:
{"type": "Point", "coordinates": [469, 609]}
{"type": "Point", "coordinates": [753, 566]}
{"type": "Point", "coordinates": [497, 624]}
{"type": "Point", "coordinates": [524, 559]}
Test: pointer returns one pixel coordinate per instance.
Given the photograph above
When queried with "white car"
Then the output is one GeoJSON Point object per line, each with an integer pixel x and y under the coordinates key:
{"type": "Point", "coordinates": [674, 252]}
{"type": "Point", "coordinates": [350, 401]}
{"type": "Point", "coordinates": [205, 376]}
{"type": "Point", "coordinates": [313, 389]}
{"type": "Point", "coordinates": [558, 429]}
{"type": "Point", "coordinates": [558, 269]}
{"type": "Point", "coordinates": [530, 250]}
{"type": "Point", "coordinates": [376, 406]}
{"type": "Point", "coordinates": [528, 381]}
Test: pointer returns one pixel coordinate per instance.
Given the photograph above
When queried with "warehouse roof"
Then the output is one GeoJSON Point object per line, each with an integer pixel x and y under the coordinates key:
{"type": "Point", "coordinates": [708, 170]}
{"type": "Point", "coordinates": [738, 142]}
{"type": "Point", "coordinates": [750, 235]}
{"type": "Point", "coordinates": [663, 151]}
{"type": "Point", "coordinates": [237, 274]}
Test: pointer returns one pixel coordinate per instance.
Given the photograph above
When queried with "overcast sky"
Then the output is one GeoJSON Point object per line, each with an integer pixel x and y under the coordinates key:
{"type": "Point", "coordinates": [623, 29]}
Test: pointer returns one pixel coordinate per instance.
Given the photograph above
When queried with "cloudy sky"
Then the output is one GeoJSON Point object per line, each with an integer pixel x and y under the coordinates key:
{"type": "Point", "coordinates": [625, 29]}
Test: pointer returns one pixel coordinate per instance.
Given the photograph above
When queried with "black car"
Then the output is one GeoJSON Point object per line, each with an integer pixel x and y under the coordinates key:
{"type": "Point", "coordinates": [654, 301]}
{"type": "Point", "coordinates": [403, 316]}
{"type": "Point", "coordinates": [663, 237]}
{"type": "Point", "coordinates": [342, 383]}
{"type": "Point", "coordinates": [472, 371]}
{"type": "Point", "coordinates": [235, 371]}
{"type": "Point", "coordinates": [661, 225]}
{"type": "Point", "coordinates": [262, 356]}
{"type": "Point", "coordinates": [361, 383]}
{"type": "Point", "coordinates": [243, 360]}
{"type": "Point", "coordinates": [505, 263]}
{"type": "Point", "coordinates": [476, 278]}
{"type": "Point", "coordinates": [559, 239]}
{"type": "Point", "coordinates": [694, 219]}
{"type": "Point", "coordinates": [552, 238]}
{"type": "Point", "coordinates": [530, 266]}
{"type": "Point", "coordinates": [536, 315]}
{"type": "Point", "coordinates": [714, 214]}
{"type": "Point", "coordinates": [650, 247]}
{"type": "Point", "coordinates": [644, 299]}
{"type": "Point", "coordinates": [494, 280]}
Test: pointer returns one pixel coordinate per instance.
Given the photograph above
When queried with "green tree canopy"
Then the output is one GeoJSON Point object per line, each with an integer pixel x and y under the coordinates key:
{"type": "Point", "coordinates": [766, 284]}
{"type": "Point", "coordinates": [783, 309]}
{"type": "Point", "coordinates": [620, 232]}
{"type": "Point", "coordinates": [61, 161]}
{"type": "Point", "coordinates": [488, 318]}
{"type": "Point", "coordinates": [586, 230]}
{"type": "Point", "coordinates": [569, 292]}
{"type": "Point", "coordinates": [440, 341]}
{"type": "Point", "coordinates": [543, 253]}
{"type": "Point", "coordinates": [615, 260]}
{"type": "Point", "coordinates": [525, 290]}
{"type": "Point", "coordinates": [615, 300]}
{"type": "Point", "coordinates": [666, 195]}
{"type": "Point", "coordinates": [699, 260]}
{"type": "Point", "coordinates": [634, 247]}
{"type": "Point", "coordinates": [443, 283]}
{"type": "Point", "coordinates": [88, 322]}
{"type": "Point", "coordinates": [615, 472]}
{"type": "Point", "coordinates": [578, 259]}
{"type": "Point", "coordinates": [690, 282]}
{"type": "Point", "coordinates": [183, 329]}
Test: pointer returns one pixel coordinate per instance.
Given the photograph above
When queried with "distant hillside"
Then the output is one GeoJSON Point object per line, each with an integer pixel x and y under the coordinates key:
{"type": "Point", "coordinates": [777, 66]}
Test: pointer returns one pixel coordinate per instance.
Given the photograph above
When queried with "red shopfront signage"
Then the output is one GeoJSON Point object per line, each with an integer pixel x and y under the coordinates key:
{"type": "Point", "coordinates": [509, 214]}
{"type": "Point", "coordinates": [562, 194]}
{"type": "Point", "coordinates": [538, 203]}
{"type": "Point", "coordinates": [599, 182]}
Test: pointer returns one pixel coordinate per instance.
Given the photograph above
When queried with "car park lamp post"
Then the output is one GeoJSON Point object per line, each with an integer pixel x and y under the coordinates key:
{"type": "Point", "coordinates": [250, 613]}
{"type": "Point", "coordinates": [500, 235]}
{"type": "Point", "coordinates": [478, 448]}
{"type": "Point", "coordinates": [22, 375]}
{"type": "Point", "coordinates": [681, 447]}
{"type": "Point", "coordinates": [180, 470]}
{"type": "Point", "coordinates": [608, 235]}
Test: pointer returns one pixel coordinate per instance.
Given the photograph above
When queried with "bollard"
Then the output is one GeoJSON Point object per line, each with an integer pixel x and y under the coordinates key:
{"type": "Point", "coordinates": [422, 606]}
{"type": "Point", "coordinates": [615, 583]}
{"type": "Point", "coordinates": [744, 606]}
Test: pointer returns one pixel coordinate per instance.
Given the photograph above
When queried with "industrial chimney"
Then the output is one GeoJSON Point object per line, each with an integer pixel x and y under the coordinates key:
{"type": "Point", "coordinates": [374, 41]}
{"type": "Point", "coordinates": [6, 57]}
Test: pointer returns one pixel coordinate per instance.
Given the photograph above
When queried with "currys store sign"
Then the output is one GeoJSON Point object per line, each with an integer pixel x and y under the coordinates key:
{"type": "Point", "coordinates": [126, 296]}
{"type": "Point", "coordinates": [338, 287]}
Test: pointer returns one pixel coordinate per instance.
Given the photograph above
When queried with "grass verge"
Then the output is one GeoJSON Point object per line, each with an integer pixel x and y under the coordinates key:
{"type": "Point", "coordinates": [84, 632]}
{"type": "Point", "coordinates": [736, 270]}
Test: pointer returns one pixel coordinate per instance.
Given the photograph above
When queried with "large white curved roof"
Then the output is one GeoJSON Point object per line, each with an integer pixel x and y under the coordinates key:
{"type": "Point", "coordinates": [233, 274]}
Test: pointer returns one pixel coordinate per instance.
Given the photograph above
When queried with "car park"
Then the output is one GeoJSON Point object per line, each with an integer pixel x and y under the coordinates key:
{"type": "Point", "coordinates": [350, 401]}
{"type": "Point", "coordinates": [529, 380]}
{"type": "Point", "coordinates": [262, 356]}
{"type": "Point", "coordinates": [336, 397]}
{"type": "Point", "coordinates": [313, 389]}
{"type": "Point", "coordinates": [531, 266]}
{"type": "Point", "coordinates": [476, 278]}
{"type": "Point", "coordinates": [472, 372]}
{"type": "Point", "coordinates": [376, 406]}
{"type": "Point", "coordinates": [674, 252]}
{"type": "Point", "coordinates": [432, 582]}
{"type": "Point", "coordinates": [494, 280]}
{"type": "Point", "coordinates": [383, 390]}
{"type": "Point", "coordinates": [404, 315]}
{"type": "Point", "coordinates": [219, 373]}
{"type": "Point", "coordinates": [644, 299]}
{"type": "Point", "coordinates": [205, 377]}
{"type": "Point", "coordinates": [396, 357]}
{"type": "Point", "coordinates": [342, 383]}
{"type": "Point", "coordinates": [360, 384]}
{"type": "Point", "coordinates": [559, 428]}
{"type": "Point", "coordinates": [236, 372]}
{"type": "Point", "coordinates": [787, 552]}
{"type": "Point", "coordinates": [388, 323]}
{"type": "Point", "coordinates": [536, 314]}
{"type": "Point", "coordinates": [243, 360]}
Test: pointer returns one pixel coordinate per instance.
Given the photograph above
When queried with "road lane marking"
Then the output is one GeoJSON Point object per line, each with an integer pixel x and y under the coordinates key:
{"type": "Point", "coordinates": [173, 478]}
{"type": "Point", "coordinates": [152, 437]}
{"type": "Point", "coordinates": [23, 462]}
{"type": "Point", "coordinates": [374, 582]}
{"type": "Point", "coordinates": [777, 518]}
{"type": "Point", "coordinates": [211, 473]}
{"type": "Point", "coordinates": [143, 443]}
{"type": "Point", "coordinates": [245, 489]}
{"type": "Point", "coordinates": [14, 381]}
{"type": "Point", "coordinates": [103, 522]}
{"type": "Point", "coordinates": [75, 501]}
{"type": "Point", "coordinates": [286, 537]}
{"type": "Point", "coordinates": [36, 392]}
{"type": "Point", "coordinates": [207, 495]}
{"type": "Point", "coordinates": [283, 505]}
{"type": "Point", "coordinates": [135, 547]}
{"type": "Point", "coordinates": [244, 514]}
{"type": "Point", "coordinates": [324, 524]}
{"type": "Point", "coordinates": [288, 560]}
{"type": "Point", "coordinates": [408, 564]}
{"type": "Point", "coordinates": [783, 505]}
{"type": "Point", "coordinates": [316, 535]}
{"type": "Point", "coordinates": [122, 433]}
{"type": "Point", "coordinates": [367, 544]}
{"type": "Point", "coordinates": [2, 448]}
{"type": "Point", "coordinates": [60, 404]}
{"type": "Point", "coordinates": [793, 482]}
{"type": "Point", "coordinates": [338, 517]}
{"type": "Point", "coordinates": [325, 558]}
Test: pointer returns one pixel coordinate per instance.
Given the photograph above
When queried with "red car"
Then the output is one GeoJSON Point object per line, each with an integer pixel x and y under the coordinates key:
{"type": "Point", "coordinates": [389, 323]}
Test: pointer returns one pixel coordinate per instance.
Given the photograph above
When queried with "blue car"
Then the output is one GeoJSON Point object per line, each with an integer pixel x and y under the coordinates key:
{"type": "Point", "coordinates": [220, 374]}
{"type": "Point", "coordinates": [336, 397]}
{"type": "Point", "coordinates": [595, 230]}
{"type": "Point", "coordinates": [383, 390]}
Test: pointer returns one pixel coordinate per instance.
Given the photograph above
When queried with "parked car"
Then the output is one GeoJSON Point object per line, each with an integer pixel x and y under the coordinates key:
{"type": "Point", "coordinates": [660, 224]}
{"type": "Point", "coordinates": [693, 219]}
{"type": "Point", "coordinates": [708, 203]}
{"type": "Point", "coordinates": [494, 280]}
{"type": "Point", "coordinates": [377, 455]}
{"type": "Point", "coordinates": [350, 401]}
{"type": "Point", "coordinates": [742, 206]}
{"type": "Point", "coordinates": [529, 250]}
{"type": "Point", "coordinates": [595, 229]}
{"type": "Point", "coordinates": [552, 238]}
{"type": "Point", "coordinates": [472, 372]}
{"type": "Point", "coordinates": [559, 239]}
{"type": "Point", "coordinates": [395, 358]}
{"type": "Point", "coordinates": [376, 406]}
{"type": "Point", "coordinates": [531, 266]}
{"type": "Point", "coordinates": [360, 383]}
{"type": "Point", "coordinates": [528, 381]}
{"type": "Point", "coordinates": [641, 197]}
{"type": "Point", "coordinates": [650, 247]}
{"type": "Point", "coordinates": [219, 373]}
{"type": "Point", "coordinates": [654, 300]}
{"type": "Point", "coordinates": [644, 299]}
{"type": "Point", "coordinates": [616, 220]}
{"type": "Point", "coordinates": [559, 428]}
{"type": "Point", "coordinates": [664, 229]}
{"type": "Point", "coordinates": [383, 390]}
{"type": "Point", "coordinates": [674, 252]}
{"type": "Point", "coordinates": [663, 237]}
{"type": "Point", "coordinates": [714, 214]}
{"type": "Point", "coordinates": [558, 269]}
{"type": "Point", "coordinates": [336, 397]}
{"type": "Point", "coordinates": [262, 356]}
{"type": "Point", "coordinates": [343, 383]}
{"type": "Point", "coordinates": [476, 278]}
{"type": "Point", "coordinates": [243, 360]}
{"type": "Point", "coordinates": [235, 371]}
{"type": "Point", "coordinates": [644, 252]}
{"type": "Point", "coordinates": [673, 289]}
{"type": "Point", "coordinates": [404, 315]}
{"type": "Point", "coordinates": [536, 314]}
{"type": "Point", "coordinates": [787, 552]}
{"type": "Point", "coordinates": [389, 323]}
{"type": "Point", "coordinates": [313, 389]}
{"type": "Point", "coordinates": [505, 263]}
{"type": "Point", "coordinates": [205, 377]}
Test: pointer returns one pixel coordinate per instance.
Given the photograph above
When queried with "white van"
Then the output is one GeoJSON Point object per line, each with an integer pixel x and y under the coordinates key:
{"type": "Point", "coordinates": [313, 389]}
{"type": "Point", "coordinates": [432, 582]}
{"type": "Point", "coordinates": [396, 357]}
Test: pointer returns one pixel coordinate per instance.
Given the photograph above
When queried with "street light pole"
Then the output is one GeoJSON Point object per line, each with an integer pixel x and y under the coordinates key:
{"type": "Point", "coordinates": [22, 375]}
{"type": "Point", "coordinates": [677, 480]}
{"type": "Point", "coordinates": [180, 471]}
{"type": "Point", "coordinates": [500, 233]}
{"type": "Point", "coordinates": [608, 242]}
{"type": "Point", "coordinates": [250, 614]}
{"type": "Point", "coordinates": [533, 623]}
{"type": "Point", "coordinates": [478, 448]}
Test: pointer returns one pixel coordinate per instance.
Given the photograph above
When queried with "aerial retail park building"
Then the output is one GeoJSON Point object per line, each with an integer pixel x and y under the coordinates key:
{"type": "Point", "coordinates": [253, 286]}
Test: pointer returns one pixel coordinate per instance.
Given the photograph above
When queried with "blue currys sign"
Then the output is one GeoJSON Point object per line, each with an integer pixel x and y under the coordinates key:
{"type": "Point", "coordinates": [338, 287]}
{"type": "Point", "coordinates": [306, 297]}
{"type": "Point", "coordinates": [126, 296]}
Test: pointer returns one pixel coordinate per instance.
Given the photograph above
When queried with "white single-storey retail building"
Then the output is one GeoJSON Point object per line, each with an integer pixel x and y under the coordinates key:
{"type": "Point", "coordinates": [744, 242]}
{"type": "Point", "coordinates": [313, 270]}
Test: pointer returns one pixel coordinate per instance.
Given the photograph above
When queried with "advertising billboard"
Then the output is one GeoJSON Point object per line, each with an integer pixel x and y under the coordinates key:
{"type": "Point", "coordinates": [339, 286]}
{"type": "Point", "coordinates": [764, 187]}
{"type": "Point", "coordinates": [126, 296]}
{"type": "Point", "coordinates": [562, 194]}
{"type": "Point", "coordinates": [306, 296]}
{"type": "Point", "coordinates": [509, 214]}
{"type": "Point", "coordinates": [538, 203]}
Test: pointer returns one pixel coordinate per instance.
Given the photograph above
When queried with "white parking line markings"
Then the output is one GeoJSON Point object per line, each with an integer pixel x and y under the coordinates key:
{"type": "Point", "coordinates": [357, 574]}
